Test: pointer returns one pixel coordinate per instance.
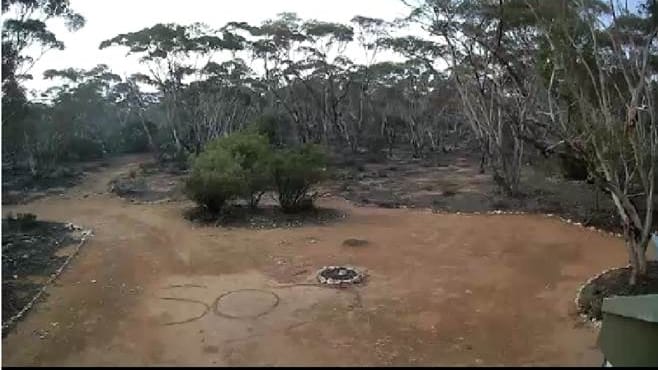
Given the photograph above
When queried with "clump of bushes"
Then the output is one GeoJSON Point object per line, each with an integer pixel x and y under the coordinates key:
{"type": "Point", "coordinates": [215, 179]}
{"type": "Point", "coordinates": [244, 165]}
{"type": "Point", "coordinates": [294, 171]}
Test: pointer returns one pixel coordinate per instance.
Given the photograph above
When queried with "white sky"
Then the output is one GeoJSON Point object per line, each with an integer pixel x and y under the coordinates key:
{"type": "Point", "coordinates": [106, 19]}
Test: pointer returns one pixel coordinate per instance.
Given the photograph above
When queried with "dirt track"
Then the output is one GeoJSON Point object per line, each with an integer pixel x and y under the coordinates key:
{"type": "Point", "coordinates": [442, 289]}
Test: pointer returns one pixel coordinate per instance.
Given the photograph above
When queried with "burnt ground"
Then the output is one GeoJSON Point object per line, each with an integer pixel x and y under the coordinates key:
{"type": "Point", "coordinates": [443, 182]}
{"type": "Point", "coordinates": [268, 216]}
{"type": "Point", "coordinates": [32, 250]}
{"type": "Point", "coordinates": [615, 283]}
{"type": "Point", "coordinates": [149, 182]}
{"type": "Point", "coordinates": [19, 186]}
{"type": "Point", "coordinates": [451, 182]}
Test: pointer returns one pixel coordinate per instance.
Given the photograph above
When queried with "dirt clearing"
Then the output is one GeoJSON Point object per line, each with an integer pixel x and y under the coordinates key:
{"type": "Point", "coordinates": [151, 288]}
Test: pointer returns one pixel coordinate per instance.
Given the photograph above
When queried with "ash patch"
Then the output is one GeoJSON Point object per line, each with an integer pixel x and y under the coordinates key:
{"type": "Point", "coordinates": [265, 217]}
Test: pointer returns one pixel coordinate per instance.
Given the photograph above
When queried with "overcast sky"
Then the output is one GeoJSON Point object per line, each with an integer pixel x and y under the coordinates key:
{"type": "Point", "coordinates": [106, 19]}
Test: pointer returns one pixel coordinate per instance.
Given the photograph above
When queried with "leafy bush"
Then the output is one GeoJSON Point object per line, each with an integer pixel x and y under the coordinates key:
{"type": "Point", "coordinates": [84, 149]}
{"type": "Point", "coordinates": [294, 171]}
{"type": "Point", "coordinates": [230, 167]}
{"type": "Point", "coordinates": [131, 138]}
{"type": "Point", "coordinates": [252, 153]}
{"type": "Point", "coordinates": [216, 178]}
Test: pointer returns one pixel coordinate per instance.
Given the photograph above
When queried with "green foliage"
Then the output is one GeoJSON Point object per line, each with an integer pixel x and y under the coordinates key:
{"type": "Point", "coordinates": [335, 31]}
{"type": "Point", "coordinates": [24, 29]}
{"type": "Point", "coordinates": [84, 149]}
{"type": "Point", "coordinates": [130, 138]}
{"type": "Point", "coordinates": [164, 40]}
{"type": "Point", "coordinates": [243, 165]}
{"type": "Point", "coordinates": [294, 171]}
{"type": "Point", "coordinates": [230, 167]}
{"type": "Point", "coordinates": [252, 153]}
{"type": "Point", "coordinates": [274, 126]}
{"type": "Point", "coordinates": [216, 178]}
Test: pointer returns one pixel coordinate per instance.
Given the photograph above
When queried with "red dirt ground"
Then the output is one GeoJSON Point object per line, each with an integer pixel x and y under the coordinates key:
{"type": "Point", "coordinates": [442, 289]}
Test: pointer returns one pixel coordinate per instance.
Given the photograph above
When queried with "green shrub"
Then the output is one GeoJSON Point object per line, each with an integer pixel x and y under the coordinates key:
{"type": "Point", "coordinates": [216, 178]}
{"type": "Point", "coordinates": [252, 153]}
{"type": "Point", "coordinates": [230, 167]}
{"type": "Point", "coordinates": [84, 149]}
{"type": "Point", "coordinates": [294, 171]}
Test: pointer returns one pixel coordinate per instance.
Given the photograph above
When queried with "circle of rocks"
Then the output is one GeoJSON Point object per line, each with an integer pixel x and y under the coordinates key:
{"type": "Point", "coordinates": [339, 275]}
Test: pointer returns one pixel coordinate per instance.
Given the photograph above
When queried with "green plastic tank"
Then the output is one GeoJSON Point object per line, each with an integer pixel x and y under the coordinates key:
{"type": "Point", "coordinates": [629, 331]}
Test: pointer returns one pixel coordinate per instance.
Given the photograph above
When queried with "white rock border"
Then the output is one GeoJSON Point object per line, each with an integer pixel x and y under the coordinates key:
{"type": "Point", "coordinates": [84, 236]}
{"type": "Point", "coordinates": [548, 215]}
{"type": "Point", "coordinates": [358, 278]}
{"type": "Point", "coordinates": [500, 212]}
{"type": "Point", "coordinates": [150, 202]}
{"type": "Point", "coordinates": [596, 323]}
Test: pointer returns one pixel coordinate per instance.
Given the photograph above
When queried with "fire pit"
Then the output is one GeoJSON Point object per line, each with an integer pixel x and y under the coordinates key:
{"type": "Point", "coordinates": [338, 275]}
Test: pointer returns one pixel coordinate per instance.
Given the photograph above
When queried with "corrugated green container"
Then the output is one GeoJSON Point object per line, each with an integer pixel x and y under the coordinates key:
{"type": "Point", "coordinates": [629, 332]}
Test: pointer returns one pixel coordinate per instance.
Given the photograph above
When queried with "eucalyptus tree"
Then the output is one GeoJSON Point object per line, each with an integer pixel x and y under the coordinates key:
{"type": "Point", "coordinates": [169, 52]}
{"type": "Point", "coordinates": [368, 33]}
{"type": "Point", "coordinates": [133, 104]}
{"type": "Point", "coordinates": [273, 43]}
{"type": "Point", "coordinates": [304, 59]}
{"type": "Point", "coordinates": [599, 67]}
{"type": "Point", "coordinates": [326, 65]}
{"type": "Point", "coordinates": [77, 122]}
{"type": "Point", "coordinates": [83, 116]}
{"type": "Point", "coordinates": [489, 47]}
{"type": "Point", "coordinates": [24, 31]}
{"type": "Point", "coordinates": [224, 102]}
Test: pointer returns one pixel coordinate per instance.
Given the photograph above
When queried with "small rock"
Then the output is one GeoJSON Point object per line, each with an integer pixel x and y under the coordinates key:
{"type": "Point", "coordinates": [353, 242]}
